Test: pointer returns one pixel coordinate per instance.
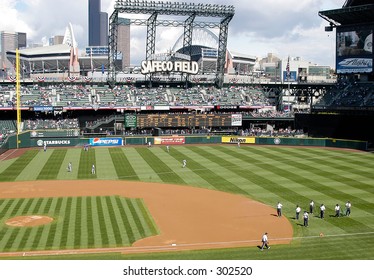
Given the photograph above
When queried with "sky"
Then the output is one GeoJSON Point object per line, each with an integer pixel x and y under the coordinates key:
{"type": "Point", "coordinates": [282, 27]}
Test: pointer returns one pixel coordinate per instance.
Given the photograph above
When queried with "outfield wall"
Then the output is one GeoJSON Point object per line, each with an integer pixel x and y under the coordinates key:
{"type": "Point", "coordinates": [25, 141]}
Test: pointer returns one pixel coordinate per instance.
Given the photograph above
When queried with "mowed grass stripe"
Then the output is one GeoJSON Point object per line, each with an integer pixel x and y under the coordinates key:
{"type": "Point", "coordinates": [190, 178]}
{"type": "Point", "coordinates": [213, 178]}
{"type": "Point", "coordinates": [147, 217]}
{"type": "Point", "coordinates": [312, 184]}
{"type": "Point", "coordinates": [135, 217]}
{"type": "Point", "coordinates": [166, 174]}
{"type": "Point", "coordinates": [90, 223]}
{"type": "Point", "coordinates": [279, 190]}
{"type": "Point", "coordinates": [120, 202]}
{"type": "Point", "coordinates": [87, 158]}
{"type": "Point", "coordinates": [122, 165]}
{"type": "Point", "coordinates": [65, 224]}
{"type": "Point", "coordinates": [101, 222]}
{"type": "Point", "coordinates": [96, 224]}
{"type": "Point", "coordinates": [12, 172]}
{"type": "Point", "coordinates": [48, 229]}
{"type": "Point", "coordinates": [53, 165]}
{"type": "Point", "coordinates": [225, 184]}
{"type": "Point", "coordinates": [141, 167]}
{"type": "Point", "coordinates": [32, 170]}
{"type": "Point", "coordinates": [345, 168]}
{"type": "Point", "coordinates": [117, 233]}
{"type": "Point", "coordinates": [362, 160]}
{"type": "Point", "coordinates": [71, 233]}
{"type": "Point", "coordinates": [105, 168]}
{"type": "Point", "coordinates": [323, 171]}
{"type": "Point", "coordinates": [56, 208]}
{"type": "Point", "coordinates": [78, 223]}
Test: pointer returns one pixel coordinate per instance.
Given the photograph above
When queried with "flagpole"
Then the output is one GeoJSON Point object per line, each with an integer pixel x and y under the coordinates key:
{"type": "Point", "coordinates": [18, 86]}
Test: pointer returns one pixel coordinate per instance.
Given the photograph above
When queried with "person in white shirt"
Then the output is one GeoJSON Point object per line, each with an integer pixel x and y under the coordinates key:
{"type": "Point", "coordinates": [298, 210]}
{"type": "Point", "coordinates": [70, 167]}
{"type": "Point", "coordinates": [306, 219]}
{"type": "Point", "coordinates": [311, 207]}
{"type": "Point", "coordinates": [348, 206]}
{"type": "Point", "coordinates": [93, 169]}
{"type": "Point", "coordinates": [167, 148]}
{"type": "Point", "coordinates": [337, 210]}
{"type": "Point", "coordinates": [184, 163]}
{"type": "Point", "coordinates": [322, 209]}
{"type": "Point", "coordinates": [279, 209]}
{"type": "Point", "coordinates": [265, 241]}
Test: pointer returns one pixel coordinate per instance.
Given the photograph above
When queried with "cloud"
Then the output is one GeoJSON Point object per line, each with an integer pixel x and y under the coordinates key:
{"type": "Point", "coordinates": [287, 27]}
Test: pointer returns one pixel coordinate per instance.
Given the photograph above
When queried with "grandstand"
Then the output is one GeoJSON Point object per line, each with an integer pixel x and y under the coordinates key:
{"type": "Point", "coordinates": [346, 110]}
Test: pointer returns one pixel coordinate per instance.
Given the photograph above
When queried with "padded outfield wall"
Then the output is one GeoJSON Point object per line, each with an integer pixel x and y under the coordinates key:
{"type": "Point", "coordinates": [25, 140]}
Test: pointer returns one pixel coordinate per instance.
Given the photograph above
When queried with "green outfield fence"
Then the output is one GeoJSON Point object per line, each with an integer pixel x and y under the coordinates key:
{"type": "Point", "coordinates": [25, 141]}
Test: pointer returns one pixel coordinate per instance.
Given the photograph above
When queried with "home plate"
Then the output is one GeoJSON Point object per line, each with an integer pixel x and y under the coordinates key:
{"type": "Point", "coordinates": [173, 244]}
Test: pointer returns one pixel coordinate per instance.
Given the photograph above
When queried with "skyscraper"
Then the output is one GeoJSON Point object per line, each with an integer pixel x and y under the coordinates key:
{"type": "Point", "coordinates": [10, 41]}
{"type": "Point", "coordinates": [97, 24]}
{"type": "Point", "coordinates": [123, 41]}
{"type": "Point", "coordinates": [103, 29]}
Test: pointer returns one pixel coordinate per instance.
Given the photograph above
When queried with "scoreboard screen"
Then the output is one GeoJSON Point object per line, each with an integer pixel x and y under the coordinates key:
{"type": "Point", "coordinates": [184, 120]}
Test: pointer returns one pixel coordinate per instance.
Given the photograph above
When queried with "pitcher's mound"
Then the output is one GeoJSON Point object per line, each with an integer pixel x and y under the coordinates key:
{"type": "Point", "coordinates": [28, 221]}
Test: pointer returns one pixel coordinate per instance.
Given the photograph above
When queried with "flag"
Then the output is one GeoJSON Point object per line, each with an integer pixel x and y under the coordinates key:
{"type": "Point", "coordinates": [92, 68]}
{"type": "Point", "coordinates": [288, 69]}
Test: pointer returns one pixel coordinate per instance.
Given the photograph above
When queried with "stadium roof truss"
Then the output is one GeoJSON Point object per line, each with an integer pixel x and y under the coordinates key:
{"type": "Point", "coordinates": [363, 14]}
{"type": "Point", "coordinates": [190, 10]}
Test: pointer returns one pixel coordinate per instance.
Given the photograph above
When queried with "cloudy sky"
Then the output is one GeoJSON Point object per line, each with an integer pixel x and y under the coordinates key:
{"type": "Point", "coordinates": [283, 27]}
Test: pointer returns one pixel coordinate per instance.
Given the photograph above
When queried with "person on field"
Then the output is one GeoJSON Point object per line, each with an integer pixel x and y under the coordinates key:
{"type": "Point", "coordinates": [348, 206]}
{"type": "Point", "coordinates": [311, 207]}
{"type": "Point", "coordinates": [93, 169]}
{"type": "Point", "coordinates": [265, 241]}
{"type": "Point", "coordinates": [306, 219]}
{"type": "Point", "coordinates": [298, 210]}
{"type": "Point", "coordinates": [45, 146]}
{"type": "Point", "coordinates": [167, 148]}
{"type": "Point", "coordinates": [337, 210]}
{"type": "Point", "coordinates": [184, 163]}
{"type": "Point", "coordinates": [70, 167]}
{"type": "Point", "coordinates": [279, 209]}
{"type": "Point", "coordinates": [322, 209]}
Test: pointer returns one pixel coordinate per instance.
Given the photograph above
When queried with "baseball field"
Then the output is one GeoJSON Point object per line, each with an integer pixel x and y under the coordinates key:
{"type": "Point", "coordinates": [141, 203]}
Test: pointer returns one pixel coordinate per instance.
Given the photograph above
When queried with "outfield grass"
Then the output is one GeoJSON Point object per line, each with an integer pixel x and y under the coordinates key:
{"type": "Point", "coordinates": [267, 174]}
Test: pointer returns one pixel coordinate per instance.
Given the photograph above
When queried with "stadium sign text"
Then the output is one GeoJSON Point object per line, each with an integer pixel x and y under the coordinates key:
{"type": "Point", "coordinates": [188, 67]}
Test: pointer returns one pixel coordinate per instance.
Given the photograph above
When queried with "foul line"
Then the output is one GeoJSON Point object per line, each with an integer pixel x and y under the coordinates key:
{"type": "Point", "coordinates": [171, 247]}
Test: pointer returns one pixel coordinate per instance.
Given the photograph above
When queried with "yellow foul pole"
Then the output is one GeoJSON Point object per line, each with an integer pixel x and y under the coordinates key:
{"type": "Point", "coordinates": [18, 87]}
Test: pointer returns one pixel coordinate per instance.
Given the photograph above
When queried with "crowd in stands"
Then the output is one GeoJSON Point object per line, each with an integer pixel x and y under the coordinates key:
{"type": "Point", "coordinates": [348, 93]}
{"type": "Point", "coordinates": [41, 124]}
{"type": "Point", "coordinates": [95, 96]}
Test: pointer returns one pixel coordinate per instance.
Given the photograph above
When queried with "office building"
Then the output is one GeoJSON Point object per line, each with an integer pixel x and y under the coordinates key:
{"type": "Point", "coordinates": [10, 41]}
{"type": "Point", "coordinates": [123, 41]}
{"type": "Point", "coordinates": [97, 24]}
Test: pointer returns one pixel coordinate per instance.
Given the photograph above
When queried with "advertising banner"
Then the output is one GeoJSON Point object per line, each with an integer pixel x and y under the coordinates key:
{"type": "Point", "coordinates": [173, 140]}
{"type": "Point", "coordinates": [354, 50]}
{"type": "Point", "coordinates": [106, 141]}
{"type": "Point", "coordinates": [238, 139]}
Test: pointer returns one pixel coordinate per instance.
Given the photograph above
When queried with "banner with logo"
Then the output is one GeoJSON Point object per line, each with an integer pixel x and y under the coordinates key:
{"type": "Point", "coordinates": [238, 139]}
{"type": "Point", "coordinates": [106, 141]}
{"type": "Point", "coordinates": [54, 142]}
{"type": "Point", "coordinates": [173, 140]}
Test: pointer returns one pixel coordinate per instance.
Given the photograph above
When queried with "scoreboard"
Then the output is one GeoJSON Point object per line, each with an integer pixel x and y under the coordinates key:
{"type": "Point", "coordinates": [184, 120]}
